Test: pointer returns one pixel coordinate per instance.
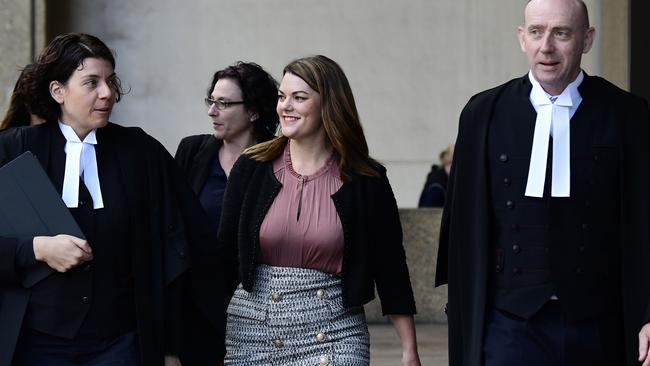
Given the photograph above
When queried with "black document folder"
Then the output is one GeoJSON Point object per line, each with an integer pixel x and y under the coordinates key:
{"type": "Point", "coordinates": [31, 206]}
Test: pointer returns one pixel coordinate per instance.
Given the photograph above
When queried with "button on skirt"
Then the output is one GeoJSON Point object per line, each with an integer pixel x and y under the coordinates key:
{"type": "Point", "coordinates": [294, 316]}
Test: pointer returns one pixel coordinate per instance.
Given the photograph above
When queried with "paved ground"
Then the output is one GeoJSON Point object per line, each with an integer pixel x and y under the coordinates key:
{"type": "Point", "coordinates": [385, 348]}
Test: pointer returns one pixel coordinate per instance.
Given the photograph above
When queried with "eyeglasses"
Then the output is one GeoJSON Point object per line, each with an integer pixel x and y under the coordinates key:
{"type": "Point", "coordinates": [220, 104]}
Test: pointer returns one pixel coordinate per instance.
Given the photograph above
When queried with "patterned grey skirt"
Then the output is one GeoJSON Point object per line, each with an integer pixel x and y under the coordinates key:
{"type": "Point", "coordinates": [294, 316]}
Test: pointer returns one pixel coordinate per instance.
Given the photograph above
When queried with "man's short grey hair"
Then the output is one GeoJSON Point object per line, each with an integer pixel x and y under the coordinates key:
{"type": "Point", "coordinates": [583, 10]}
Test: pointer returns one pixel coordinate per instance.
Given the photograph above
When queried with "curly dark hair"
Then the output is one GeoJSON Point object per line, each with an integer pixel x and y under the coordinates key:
{"type": "Point", "coordinates": [259, 91]}
{"type": "Point", "coordinates": [57, 62]}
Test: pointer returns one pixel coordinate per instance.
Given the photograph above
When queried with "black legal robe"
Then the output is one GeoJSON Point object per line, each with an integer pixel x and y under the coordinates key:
{"type": "Point", "coordinates": [165, 220]}
{"type": "Point", "coordinates": [463, 257]}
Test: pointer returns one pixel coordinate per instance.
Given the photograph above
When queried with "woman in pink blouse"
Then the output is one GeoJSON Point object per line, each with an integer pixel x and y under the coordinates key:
{"type": "Point", "coordinates": [310, 225]}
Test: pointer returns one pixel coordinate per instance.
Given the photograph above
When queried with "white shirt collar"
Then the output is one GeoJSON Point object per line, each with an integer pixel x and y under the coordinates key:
{"type": "Point", "coordinates": [70, 135]}
{"type": "Point", "coordinates": [80, 161]}
{"type": "Point", "coordinates": [553, 119]}
{"type": "Point", "coordinates": [570, 96]}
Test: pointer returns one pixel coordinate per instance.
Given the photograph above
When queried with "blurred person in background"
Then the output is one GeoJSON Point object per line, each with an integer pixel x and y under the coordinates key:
{"type": "Point", "coordinates": [435, 187]}
{"type": "Point", "coordinates": [17, 113]}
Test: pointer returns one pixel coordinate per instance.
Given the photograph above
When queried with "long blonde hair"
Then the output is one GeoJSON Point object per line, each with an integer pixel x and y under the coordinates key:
{"type": "Point", "coordinates": [339, 115]}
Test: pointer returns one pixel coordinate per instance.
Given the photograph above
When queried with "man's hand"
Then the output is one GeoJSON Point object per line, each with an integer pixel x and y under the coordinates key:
{"type": "Point", "coordinates": [644, 341]}
{"type": "Point", "coordinates": [62, 252]}
{"type": "Point", "coordinates": [172, 361]}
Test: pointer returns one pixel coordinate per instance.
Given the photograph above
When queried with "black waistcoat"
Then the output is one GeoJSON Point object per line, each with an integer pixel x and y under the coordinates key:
{"type": "Point", "coordinates": [96, 299]}
{"type": "Point", "coordinates": [552, 246]}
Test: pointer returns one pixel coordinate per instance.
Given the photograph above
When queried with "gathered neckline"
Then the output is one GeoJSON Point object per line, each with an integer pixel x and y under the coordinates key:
{"type": "Point", "coordinates": [322, 170]}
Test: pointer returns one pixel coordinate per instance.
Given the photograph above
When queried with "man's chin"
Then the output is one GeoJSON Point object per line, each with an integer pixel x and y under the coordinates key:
{"type": "Point", "coordinates": [101, 123]}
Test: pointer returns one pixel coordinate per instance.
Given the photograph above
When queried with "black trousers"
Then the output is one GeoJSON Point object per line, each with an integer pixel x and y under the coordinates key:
{"type": "Point", "coordinates": [39, 349]}
{"type": "Point", "coordinates": [550, 339]}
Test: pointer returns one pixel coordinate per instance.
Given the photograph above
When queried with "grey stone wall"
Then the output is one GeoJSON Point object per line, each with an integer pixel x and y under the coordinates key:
{"type": "Point", "coordinates": [15, 45]}
{"type": "Point", "coordinates": [421, 232]}
{"type": "Point", "coordinates": [17, 23]}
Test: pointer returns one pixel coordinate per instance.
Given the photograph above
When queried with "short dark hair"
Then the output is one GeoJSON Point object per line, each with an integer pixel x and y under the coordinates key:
{"type": "Point", "coordinates": [58, 61]}
{"type": "Point", "coordinates": [260, 94]}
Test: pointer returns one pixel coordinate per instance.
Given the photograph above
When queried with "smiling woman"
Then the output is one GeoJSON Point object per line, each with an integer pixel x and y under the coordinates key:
{"type": "Point", "coordinates": [309, 225]}
{"type": "Point", "coordinates": [121, 299]}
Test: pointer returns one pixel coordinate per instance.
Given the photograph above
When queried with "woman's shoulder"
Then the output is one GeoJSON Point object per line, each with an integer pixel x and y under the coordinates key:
{"type": "Point", "coordinates": [191, 141]}
{"type": "Point", "coordinates": [379, 176]}
{"type": "Point", "coordinates": [131, 135]}
{"type": "Point", "coordinates": [13, 139]}
{"type": "Point", "coordinates": [247, 171]}
{"type": "Point", "coordinates": [248, 163]}
{"type": "Point", "coordinates": [10, 134]}
{"type": "Point", "coordinates": [190, 146]}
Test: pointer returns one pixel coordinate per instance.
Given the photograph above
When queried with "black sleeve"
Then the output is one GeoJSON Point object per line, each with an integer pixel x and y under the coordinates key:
{"type": "Point", "coordinates": [14, 253]}
{"type": "Point", "coordinates": [197, 294]}
{"type": "Point", "coordinates": [229, 225]}
{"type": "Point", "coordinates": [185, 152]}
{"type": "Point", "coordinates": [8, 272]}
{"type": "Point", "coordinates": [394, 285]}
{"type": "Point", "coordinates": [25, 254]}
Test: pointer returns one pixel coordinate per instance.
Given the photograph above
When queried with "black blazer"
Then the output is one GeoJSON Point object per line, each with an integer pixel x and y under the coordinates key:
{"type": "Point", "coordinates": [373, 253]}
{"type": "Point", "coordinates": [195, 155]}
{"type": "Point", "coordinates": [165, 220]}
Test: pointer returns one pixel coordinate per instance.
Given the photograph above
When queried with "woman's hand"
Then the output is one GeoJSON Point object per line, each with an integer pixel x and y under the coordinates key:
{"type": "Point", "coordinates": [62, 252]}
{"type": "Point", "coordinates": [410, 358]}
{"type": "Point", "coordinates": [405, 328]}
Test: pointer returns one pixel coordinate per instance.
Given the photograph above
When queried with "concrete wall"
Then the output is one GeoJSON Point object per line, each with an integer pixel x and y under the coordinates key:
{"type": "Point", "coordinates": [615, 42]}
{"type": "Point", "coordinates": [412, 64]}
{"type": "Point", "coordinates": [22, 25]}
{"type": "Point", "coordinates": [15, 45]}
{"type": "Point", "coordinates": [421, 233]}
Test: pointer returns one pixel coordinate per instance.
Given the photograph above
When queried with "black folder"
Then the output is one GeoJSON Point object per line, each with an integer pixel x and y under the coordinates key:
{"type": "Point", "coordinates": [30, 206]}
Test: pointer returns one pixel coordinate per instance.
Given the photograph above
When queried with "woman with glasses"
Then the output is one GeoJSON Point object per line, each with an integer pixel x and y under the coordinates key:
{"type": "Point", "coordinates": [241, 104]}
{"type": "Point", "coordinates": [309, 227]}
{"type": "Point", "coordinates": [113, 296]}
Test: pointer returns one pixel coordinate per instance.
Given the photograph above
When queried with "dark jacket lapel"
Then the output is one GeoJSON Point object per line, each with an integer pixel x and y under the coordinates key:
{"type": "Point", "coordinates": [202, 164]}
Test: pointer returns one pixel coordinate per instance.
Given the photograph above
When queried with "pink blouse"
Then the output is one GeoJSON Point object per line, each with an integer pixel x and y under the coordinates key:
{"type": "Point", "coordinates": [302, 228]}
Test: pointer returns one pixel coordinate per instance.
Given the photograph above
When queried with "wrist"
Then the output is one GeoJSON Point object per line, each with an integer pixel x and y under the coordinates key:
{"type": "Point", "coordinates": [410, 349]}
{"type": "Point", "coordinates": [37, 245]}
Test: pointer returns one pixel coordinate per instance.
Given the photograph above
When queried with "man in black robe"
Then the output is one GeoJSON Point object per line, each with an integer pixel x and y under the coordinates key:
{"type": "Point", "coordinates": [545, 237]}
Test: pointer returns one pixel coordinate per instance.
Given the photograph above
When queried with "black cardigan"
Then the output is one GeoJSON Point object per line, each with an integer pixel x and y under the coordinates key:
{"type": "Point", "coordinates": [373, 253]}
